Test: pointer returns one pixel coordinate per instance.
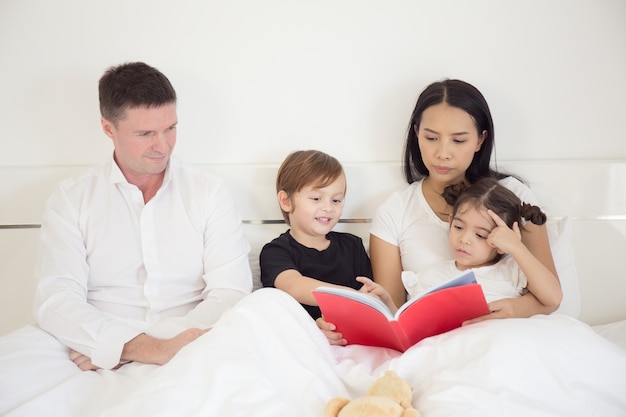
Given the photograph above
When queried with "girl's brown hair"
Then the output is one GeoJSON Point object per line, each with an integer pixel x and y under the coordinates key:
{"type": "Point", "coordinates": [492, 195]}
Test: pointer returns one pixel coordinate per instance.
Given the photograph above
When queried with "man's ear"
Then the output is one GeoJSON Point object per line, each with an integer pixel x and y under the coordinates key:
{"type": "Point", "coordinates": [107, 127]}
{"type": "Point", "coordinates": [285, 201]}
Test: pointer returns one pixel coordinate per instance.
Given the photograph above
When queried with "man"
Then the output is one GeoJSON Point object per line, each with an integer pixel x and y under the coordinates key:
{"type": "Point", "coordinates": [141, 255]}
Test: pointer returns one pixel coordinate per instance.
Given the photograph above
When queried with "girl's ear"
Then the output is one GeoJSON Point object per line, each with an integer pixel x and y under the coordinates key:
{"type": "Point", "coordinates": [285, 201]}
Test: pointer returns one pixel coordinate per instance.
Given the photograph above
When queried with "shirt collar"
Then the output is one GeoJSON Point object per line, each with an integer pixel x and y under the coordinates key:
{"type": "Point", "coordinates": [117, 177]}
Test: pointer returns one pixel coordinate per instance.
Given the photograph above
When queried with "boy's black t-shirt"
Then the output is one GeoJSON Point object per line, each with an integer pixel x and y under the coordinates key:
{"type": "Point", "coordinates": [340, 263]}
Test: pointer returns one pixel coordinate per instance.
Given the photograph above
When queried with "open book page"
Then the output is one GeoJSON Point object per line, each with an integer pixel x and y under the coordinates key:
{"type": "Point", "coordinates": [360, 297]}
{"type": "Point", "coordinates": [466, 277]}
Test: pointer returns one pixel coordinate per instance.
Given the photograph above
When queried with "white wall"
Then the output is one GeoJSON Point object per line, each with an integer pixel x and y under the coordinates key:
{"type": "Point", "coordinates": [257, 79]}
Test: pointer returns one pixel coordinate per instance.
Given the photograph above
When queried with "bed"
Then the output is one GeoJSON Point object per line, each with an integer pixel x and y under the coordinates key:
{"type": "Point", "coordinates": [266, 357]}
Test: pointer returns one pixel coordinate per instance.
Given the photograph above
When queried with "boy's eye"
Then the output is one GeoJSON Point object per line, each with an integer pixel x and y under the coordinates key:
{"type": "Point", "coordinates": [315, 198]}
{"type": "Point", "coordinates": [337, 201]}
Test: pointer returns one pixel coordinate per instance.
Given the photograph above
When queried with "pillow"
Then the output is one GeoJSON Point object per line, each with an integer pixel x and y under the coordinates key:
{"type": "Point", "coordinates": [258, 235]}
{"type": "Point", "coordinates": [559, 234]}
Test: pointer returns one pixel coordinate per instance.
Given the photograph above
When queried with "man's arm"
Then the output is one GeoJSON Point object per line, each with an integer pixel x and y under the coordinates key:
{"type": "Point", "coordinates": [144, 349]}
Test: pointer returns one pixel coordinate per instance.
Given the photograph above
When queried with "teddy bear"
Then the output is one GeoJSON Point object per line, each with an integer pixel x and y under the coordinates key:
{"type": "Point", "coordinates": [389, 396]}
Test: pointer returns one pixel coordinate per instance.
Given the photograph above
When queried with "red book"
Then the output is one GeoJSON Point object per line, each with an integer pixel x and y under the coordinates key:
{"type": "Point", "coordinates": [365, 320]}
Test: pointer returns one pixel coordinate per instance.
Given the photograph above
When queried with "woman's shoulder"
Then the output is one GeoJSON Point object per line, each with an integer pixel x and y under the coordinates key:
{"type": "Point", "coordinates": [520, 189]}
{"type": "Point", "coordinates": [404, 197]}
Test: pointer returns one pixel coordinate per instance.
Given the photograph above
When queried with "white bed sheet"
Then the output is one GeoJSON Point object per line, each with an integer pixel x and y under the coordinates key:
{"type": "Point", "coordinates": [266, 357]}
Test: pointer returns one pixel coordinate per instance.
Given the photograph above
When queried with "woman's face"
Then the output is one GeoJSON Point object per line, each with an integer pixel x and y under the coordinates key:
{"type": "Point", "coordinates": [448, 139]}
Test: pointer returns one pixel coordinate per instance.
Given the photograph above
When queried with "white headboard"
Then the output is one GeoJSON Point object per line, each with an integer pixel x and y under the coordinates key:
{"type": "Point", "coordinates": [589, 193]}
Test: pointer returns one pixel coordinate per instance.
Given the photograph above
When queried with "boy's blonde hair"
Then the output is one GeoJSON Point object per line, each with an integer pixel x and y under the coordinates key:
{"type": "Point", "coordinates": [306, 168]}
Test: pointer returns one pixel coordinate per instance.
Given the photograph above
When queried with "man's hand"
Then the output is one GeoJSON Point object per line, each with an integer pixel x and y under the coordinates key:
{"type": "Point", "coordinates": [148, 349]}
{"type": "Point", "coordinates": [145, 349]}
{"type": "Point", "coordinates": [82, 361]}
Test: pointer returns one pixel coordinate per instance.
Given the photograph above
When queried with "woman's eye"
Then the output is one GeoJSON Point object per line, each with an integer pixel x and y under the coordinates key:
{"type": "Point", "coordinates": [459, 141]}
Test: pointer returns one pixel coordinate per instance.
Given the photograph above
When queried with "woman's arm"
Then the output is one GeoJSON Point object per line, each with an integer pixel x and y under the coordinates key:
{"type": "Point", "coordinates": [387, 268]}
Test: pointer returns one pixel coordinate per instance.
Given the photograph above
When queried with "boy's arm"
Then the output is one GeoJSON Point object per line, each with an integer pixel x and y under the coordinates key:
{"type": "Point", "coordinates": [300, 287]}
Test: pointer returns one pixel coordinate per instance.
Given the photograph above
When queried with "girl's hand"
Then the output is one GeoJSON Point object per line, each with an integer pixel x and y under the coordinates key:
{"type": "Point", "coordinates": [334, 337]}
{"type": "Point", "coordinates": [503, 238]}
{"type": "Point", "coordinates": [376, 290]}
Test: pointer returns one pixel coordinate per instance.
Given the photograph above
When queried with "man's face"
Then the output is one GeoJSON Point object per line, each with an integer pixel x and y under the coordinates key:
{"type": "Point", "coordinates": [143, 140]}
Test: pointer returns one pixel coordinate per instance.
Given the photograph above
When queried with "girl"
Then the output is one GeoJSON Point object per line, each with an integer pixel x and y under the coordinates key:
{"type": "Point", "coordinates": [485, 235]}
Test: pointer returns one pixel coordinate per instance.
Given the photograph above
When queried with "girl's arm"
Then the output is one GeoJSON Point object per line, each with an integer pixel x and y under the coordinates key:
{"type": "Point", "coordinates": [543, 282]}
{"type": "Point", "coordinates": [387, 268]}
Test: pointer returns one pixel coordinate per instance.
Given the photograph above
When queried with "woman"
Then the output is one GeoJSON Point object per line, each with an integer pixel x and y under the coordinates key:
{"type": "Point", "coordinates": [450, 140]}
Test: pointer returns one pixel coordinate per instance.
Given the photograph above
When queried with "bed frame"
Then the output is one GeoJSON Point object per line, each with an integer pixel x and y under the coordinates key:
{"type": "Point", "coordinates": [590, 193]}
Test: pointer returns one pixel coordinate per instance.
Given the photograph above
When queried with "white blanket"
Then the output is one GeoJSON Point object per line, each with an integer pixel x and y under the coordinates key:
{"type": "Point", "coordinates": [266, 357]}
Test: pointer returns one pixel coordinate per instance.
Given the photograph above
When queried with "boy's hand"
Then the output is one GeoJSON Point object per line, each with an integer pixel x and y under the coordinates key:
{"type": "Point", "coordinates": [334, 338]}
{"type": "Point", "coordinates": [377, 290]}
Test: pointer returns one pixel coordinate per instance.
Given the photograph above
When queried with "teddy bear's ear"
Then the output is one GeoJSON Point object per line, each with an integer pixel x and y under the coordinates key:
{"type": "Point", "coordinates": [334, 406]}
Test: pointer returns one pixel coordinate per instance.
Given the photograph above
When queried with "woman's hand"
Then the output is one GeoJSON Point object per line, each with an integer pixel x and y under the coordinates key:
{"type": "Point", "coordinates": [499, 309]}
{"type": "Point", "coordinates": [520, 307]}
{"type": "Point", "coordinates": [334, 337]}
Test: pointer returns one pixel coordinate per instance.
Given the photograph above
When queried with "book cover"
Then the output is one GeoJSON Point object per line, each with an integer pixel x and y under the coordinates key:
{"type": "Point", "coordinates": [365, 320]}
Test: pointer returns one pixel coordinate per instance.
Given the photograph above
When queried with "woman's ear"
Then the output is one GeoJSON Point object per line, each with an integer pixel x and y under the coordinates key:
{"type": "Point", "coordinates": [285, 201]}
{"type": "Point", "coordinates": [481, 140]}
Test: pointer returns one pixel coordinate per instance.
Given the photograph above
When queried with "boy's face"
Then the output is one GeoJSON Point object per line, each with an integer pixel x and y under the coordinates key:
{"type": "Point", "coordinates": [313, 212]}
{"type": "Point", "coordinates": [468, 238]}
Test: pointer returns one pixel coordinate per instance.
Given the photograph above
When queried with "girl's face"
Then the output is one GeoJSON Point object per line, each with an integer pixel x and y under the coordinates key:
{"type": "Point", "coordinates": [469, 229]}
{"type": "Point", "coordinates": [448, 139]}
{"type": "Point", "coordinates": [313, 212]}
